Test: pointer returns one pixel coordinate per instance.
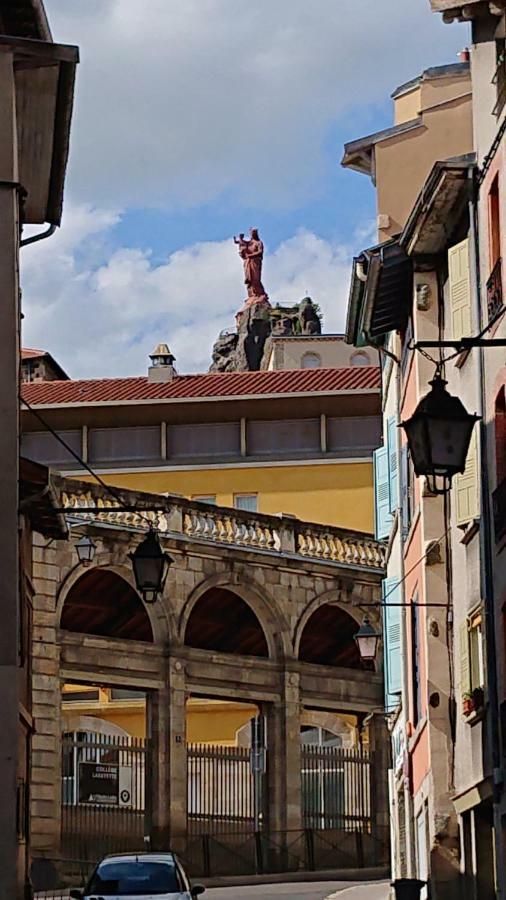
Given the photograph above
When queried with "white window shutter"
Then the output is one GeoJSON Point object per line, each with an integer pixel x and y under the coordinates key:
{"type": "Point", "coordinates": [465, 668]}
{"type": "Point", "coordinates": [460, 289]}
{"type": "Point", "coordinates": [465, 486]}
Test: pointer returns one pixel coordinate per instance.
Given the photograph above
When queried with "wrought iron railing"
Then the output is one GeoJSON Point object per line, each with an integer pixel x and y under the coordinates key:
{"type": "Point", "coordinates": [499, 507]}
{"type": "Point", "coordinates": [495, 297]}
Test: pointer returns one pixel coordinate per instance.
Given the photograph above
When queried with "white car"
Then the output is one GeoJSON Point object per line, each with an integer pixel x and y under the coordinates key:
{"type": "Point", "coordinates": [139, 876]}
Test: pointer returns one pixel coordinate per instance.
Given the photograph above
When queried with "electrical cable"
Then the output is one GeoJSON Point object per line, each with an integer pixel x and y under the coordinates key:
{"type": "Point", "coordinates": [107, 487]}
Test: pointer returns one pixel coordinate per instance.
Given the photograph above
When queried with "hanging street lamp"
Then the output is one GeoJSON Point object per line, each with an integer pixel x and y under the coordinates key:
{"type": "Point", "coordinates": [439, 433]}
{"type": "Point", "coordinates": [150, 565]}
{"type": "Point", "coordinates": [85, 550]}
{"type": "Point", "coordinates": [367, 641]}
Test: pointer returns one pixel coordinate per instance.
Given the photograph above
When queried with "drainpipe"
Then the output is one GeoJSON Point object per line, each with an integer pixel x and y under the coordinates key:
{"type": "Point", "coordinates": [38, 237]}
{"type": "Point", "coordinates": [486, 573]}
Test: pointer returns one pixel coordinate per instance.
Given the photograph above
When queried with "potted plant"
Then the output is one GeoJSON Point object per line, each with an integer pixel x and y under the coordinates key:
{"type": "Point", "coordinates": [467, 703]}
{"type": "Point", "coordinates": [478, 698]}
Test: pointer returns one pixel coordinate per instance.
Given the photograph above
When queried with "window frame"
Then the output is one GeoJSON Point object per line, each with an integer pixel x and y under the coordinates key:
{"type": "Point", "coordinates": [240, 496]}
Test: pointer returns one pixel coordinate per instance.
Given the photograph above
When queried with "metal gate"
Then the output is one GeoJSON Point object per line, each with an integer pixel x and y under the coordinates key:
{"type": "Point", "coordinates": [103, 795]}
{"type": "Point", "coordinates": [336, 789]}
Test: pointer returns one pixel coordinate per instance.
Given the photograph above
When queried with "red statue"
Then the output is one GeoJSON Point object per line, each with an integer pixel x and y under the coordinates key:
{"type": "Point", "coordinates": [252, 253]}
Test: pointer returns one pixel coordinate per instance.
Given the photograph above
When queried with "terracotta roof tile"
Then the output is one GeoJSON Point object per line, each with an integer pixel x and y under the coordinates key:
{"type": "Point", "coordinates": [30, 353]}
{"type": "Point", "coordinates": [215, 384]}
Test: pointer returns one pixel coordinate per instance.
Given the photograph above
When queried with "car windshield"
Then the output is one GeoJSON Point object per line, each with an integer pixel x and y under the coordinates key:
{"type": "Point", "coordinates": [134, 877]}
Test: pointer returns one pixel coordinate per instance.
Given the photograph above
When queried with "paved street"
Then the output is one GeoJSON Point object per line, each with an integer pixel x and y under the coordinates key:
{"type": "Point", "coordinates": [316, 891]}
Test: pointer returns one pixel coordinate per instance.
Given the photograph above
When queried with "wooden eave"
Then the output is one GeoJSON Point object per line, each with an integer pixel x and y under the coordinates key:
{"type": "Point", "coordinates": [44, 78]}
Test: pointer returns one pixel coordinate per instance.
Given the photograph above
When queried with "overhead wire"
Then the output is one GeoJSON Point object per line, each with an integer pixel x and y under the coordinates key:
{"type": "Point", "coordinates": [107, 487]}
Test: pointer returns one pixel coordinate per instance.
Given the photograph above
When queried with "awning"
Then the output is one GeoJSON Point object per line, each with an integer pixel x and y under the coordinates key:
{"type": "Point", "coordinates": [380, 294]}
{"type": "Point", "coordinates": [439, 207]}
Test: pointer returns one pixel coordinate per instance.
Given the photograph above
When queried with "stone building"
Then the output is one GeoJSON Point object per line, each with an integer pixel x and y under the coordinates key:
{"type": "Point", "coordinates": [256, 609]}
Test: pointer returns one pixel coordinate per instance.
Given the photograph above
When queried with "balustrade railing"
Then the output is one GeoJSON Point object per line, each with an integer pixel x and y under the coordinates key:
{"type": "Point", "coordinates": [222, 525]}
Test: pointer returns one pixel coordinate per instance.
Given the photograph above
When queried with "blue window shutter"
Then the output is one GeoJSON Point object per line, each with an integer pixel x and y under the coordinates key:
{"type": "Point", "coordinates": [382, 517]}
{"type": "Point", "coordinates": [392, 462]}
{"type": "Point", "coordinates": [392, 641]}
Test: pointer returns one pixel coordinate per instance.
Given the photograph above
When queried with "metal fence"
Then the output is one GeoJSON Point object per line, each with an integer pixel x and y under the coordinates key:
{"type": "Point", "coordinates": [103, 795]}
{"type": "Point", "coordinates": [222, 793]}
{"type": "Point", "coordinates": [336, 789]}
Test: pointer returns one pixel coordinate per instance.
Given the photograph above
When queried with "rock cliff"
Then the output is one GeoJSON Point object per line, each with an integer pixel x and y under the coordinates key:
{"type": "Point", "coordinates": [247, 348]}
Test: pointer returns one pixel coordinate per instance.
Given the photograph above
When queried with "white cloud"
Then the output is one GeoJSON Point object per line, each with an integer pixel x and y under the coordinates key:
{"type": "Point", "coordinates": [101, 314]}
{"type": "Point", "coordinates": [178, 101]}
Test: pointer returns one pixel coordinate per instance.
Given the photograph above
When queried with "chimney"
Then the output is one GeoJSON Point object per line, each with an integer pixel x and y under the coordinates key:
{"type": "Point", "coordinates": [162, 364]}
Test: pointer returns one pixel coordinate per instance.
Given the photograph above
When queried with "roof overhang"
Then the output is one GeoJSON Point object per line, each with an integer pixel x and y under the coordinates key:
{"type": "Point", "coordinates": [439, 207]}
{"type": "Point", "coordinates": [39, 499]}
{"type": "Point", "coordinates": [380, 294]}
{"type": "Point", "coordinates": [44, 78]}
{"type": "Point", "coordinates": [359, 154]}
{"type": "Point", "coordinates": [463, 11]}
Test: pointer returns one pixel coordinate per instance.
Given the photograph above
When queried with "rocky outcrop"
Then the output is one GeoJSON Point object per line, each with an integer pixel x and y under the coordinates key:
{"type": "Point", "coordinates": [247, 348]}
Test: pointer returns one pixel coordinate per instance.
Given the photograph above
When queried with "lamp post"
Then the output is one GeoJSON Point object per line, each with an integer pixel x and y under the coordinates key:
{"type": "Point", "coordinates": [367, 641]}
{"type": "Point", "coordinates": [439, 433]}
{"type": "Point", "coordinates": [85, 550]}
{"type": "Point", "coordinates": [150, 566]}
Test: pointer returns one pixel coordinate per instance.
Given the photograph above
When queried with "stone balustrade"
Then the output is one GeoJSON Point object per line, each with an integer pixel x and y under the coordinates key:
{"type": "Point", "coordinates": [222, 525]}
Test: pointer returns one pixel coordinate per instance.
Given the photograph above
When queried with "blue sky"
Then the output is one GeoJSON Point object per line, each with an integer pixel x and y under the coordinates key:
{"type": "Point", "coordinates": [193, 121]}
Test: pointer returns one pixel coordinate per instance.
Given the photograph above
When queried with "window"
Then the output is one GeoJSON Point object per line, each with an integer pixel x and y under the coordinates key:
{"type": "Point", "coordinates": [459, 289]}
{"type": "Point", "coordinates": [43, 447]}
{"type": "Point", "coordinates": [205, 498]}
{"type": "Point", "coordinates": [407, 490]}
{"type": "Point", "coordinates": [360, 358]}
{"type": "Point", "coordinates": [416, 683]}
{"type": "Point", "coordinates": [247, 502]}
{"type": "Point", "coordinates": [265, 437]}
{"type": "Point", "coordinates": [352, 433]}
{"type": "Point", "coordinates": [134, 877]}
{"type": "Point", "coordinates": [311, 361]}
{"type": "Point", "coordinates": [115, 444]}
{"type": "Point", "coordinates": [406, 353]}
{"type": "Point", "coordinates": [213, 439]}
{"type": "Point", "coordinates": [500, 435]}
{"type": "Point", "coordinates": [495, 300]}
{"type": "Point", "coordinates": [465, 486]}
{"type": "Point", "coordinates": [499, 78]}
{"type": "Point", "coordinates": [472, 668]}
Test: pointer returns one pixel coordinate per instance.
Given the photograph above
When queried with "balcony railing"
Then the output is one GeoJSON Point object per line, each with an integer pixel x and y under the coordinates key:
{"type": "Point", "coordinates": [499, 507]}
{"type": "Point", "coordinates": [495, 298]}
{"type": "Point", "coordinates": [222, 525]}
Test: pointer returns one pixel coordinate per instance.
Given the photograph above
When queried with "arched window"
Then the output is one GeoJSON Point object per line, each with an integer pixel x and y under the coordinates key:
{"type": "Point", "coordinates": [360, 358]}
{"type": "Point", "coordinates": [311, 361]}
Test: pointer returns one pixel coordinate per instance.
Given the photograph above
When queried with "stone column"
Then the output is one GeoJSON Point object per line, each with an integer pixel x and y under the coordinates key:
{"type": "Point", "coordinates": [157, 770]}
{"type": "Point", "coordinates": [46, 756]}
{"type": "Point", "coordinates": [380, 748]}
{"type": "Point", "coordinates": [284, 764]}
{"type": "Point", "coordinates": [177, 754]}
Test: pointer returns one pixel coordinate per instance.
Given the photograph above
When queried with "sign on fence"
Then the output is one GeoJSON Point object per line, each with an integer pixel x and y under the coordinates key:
{"type": "Point", "coordinates": [107, 784]}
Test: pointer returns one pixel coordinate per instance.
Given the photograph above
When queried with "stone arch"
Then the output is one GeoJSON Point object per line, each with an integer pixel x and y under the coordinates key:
{"type": "Point", "coordinates": [274, 630]}
{"type": "Point", "coordinates": [325, 630]}
{"type": "Point", "coordinates": [93, 724]}
{"type": "Point", "coordinates": [328, 597]}
{"type": "Point", "coordinates": [156, 613]}
{"type": "Point", "coordinates": [103, 603]}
